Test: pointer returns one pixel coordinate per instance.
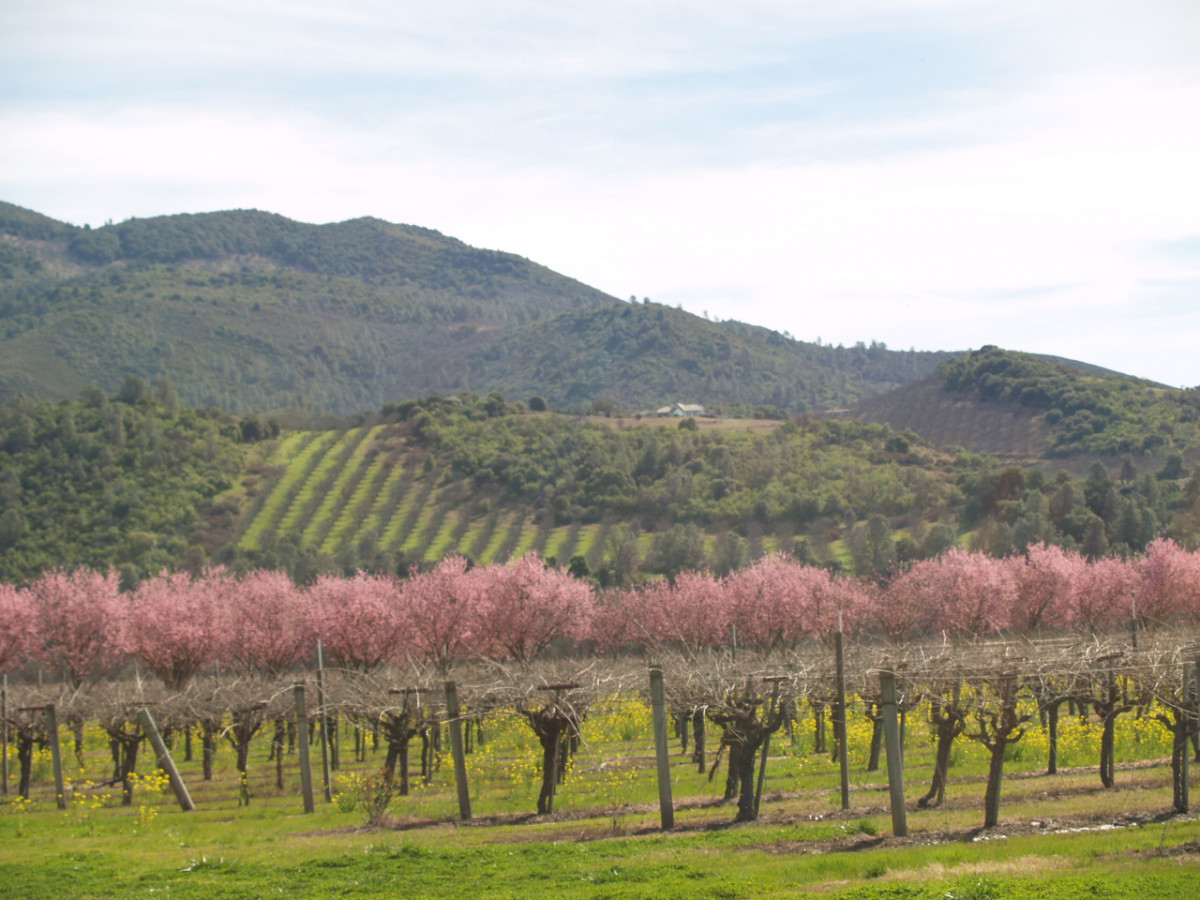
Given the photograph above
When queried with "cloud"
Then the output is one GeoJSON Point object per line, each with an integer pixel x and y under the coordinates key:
{"type": "Point", "coordinates": [934, 174]}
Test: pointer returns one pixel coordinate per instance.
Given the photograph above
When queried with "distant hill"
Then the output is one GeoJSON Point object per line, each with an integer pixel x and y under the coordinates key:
{"type": "Point", "coordinates": [1024, 408]}
{"type": "Point", "coordinates": [251, 311]}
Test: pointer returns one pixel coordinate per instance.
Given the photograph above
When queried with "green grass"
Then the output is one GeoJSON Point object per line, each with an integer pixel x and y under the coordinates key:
{"type": "Point", "coordinates": [560, 543]}
{"type": "Point", "coordinates": [399, 526]}
{"type": "Point", "coordinates": [417, 535]}
{"type": "Point", "coordinates": [1055, 838]}
{"type": "Point", "coordinates": [315, 490]}
{"type": "Point", "coordinates": [587, 541]}
{"type": "Point", "coordinates": [530, 534]}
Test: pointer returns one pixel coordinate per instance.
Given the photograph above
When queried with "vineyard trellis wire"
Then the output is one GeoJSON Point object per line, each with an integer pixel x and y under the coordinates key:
{"type": "Point", "coordinates": [996, 689]}
{"type": "Point", "coordinates": [225, 653]}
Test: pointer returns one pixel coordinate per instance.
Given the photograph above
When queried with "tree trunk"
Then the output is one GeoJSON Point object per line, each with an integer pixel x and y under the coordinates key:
{"type": "Point", "coordinates": [402, 761]}
{"type": "Point", "coordinates": [208, 748]}
{"type": "Point", "coordinates": [1052, 731]}
{"type": "Point", "coordinates": [550, 751]}
{"type": "Point", "coordinates": [243, 767]}
{"type": "Point", "coordinates": [991, 797]}
{"type": "Point", "coordinates": [698, 735]}
{"type": "Point", "coordinates": [25, 744]}
{"type": "Point", "coordinates": [77, 729]}
{"type": "Point", "coordinates": [746, 758]}
{"type": "Point", "coordinates": [733, 775]}
{"type": "Point", "coordinates": [277, 748]}
{"type": "Point", "coordinates": [949, 726]}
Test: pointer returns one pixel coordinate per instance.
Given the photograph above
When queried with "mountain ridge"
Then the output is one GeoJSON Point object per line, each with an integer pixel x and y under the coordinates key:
{"type": "Point", "coordinates": [251, 311]}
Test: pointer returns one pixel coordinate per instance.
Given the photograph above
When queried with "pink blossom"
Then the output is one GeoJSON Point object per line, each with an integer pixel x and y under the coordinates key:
{"type": "Point", "coordinates": [1168, 582]}
{"type": "Point", "coordinates": [267, 626]}
{"type": "Point", "coordinates": [360, 620]}
{"type": "Point", "coordinates": [443, 609]}
{"type": "Point", "coordinates": [78, 618]}
{"type": "Point", "coordinates": [1046, 581]}
{"type": "Point", "coordinates": [17, 634]}
{"type": "Point", "coordinates": [526, 606]}
{"type": "Point", "coordinates": [175, 625]}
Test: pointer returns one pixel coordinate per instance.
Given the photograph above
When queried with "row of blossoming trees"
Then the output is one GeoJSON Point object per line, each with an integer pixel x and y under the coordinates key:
{"type": "Point", "coordinates": [253, 631]}
{"type": "Point", "coordinates": [80, 625]}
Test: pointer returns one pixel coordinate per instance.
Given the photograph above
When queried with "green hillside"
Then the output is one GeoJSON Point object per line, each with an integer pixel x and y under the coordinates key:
{"type": "Point", "coordinates": [140, 482]}
{"type": "Point", "coordinates": [250, 311]}
{"type": "Point", "coordinates": [128, 481]}
{"type": "Point", "coordinates": [640, 355]}
{"type": "Point", "coordinates": [1035, 410]}
{"type": "Point", "coordinates": [489, 480]}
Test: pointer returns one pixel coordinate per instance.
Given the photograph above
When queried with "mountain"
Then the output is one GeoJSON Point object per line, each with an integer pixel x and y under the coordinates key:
{"type": "Point", "coordinates": [250, 311]}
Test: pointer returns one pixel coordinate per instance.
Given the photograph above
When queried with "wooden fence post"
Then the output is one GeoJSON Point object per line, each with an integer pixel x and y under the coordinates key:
{"type": "Point", "coordinates": [895, 759]}
{"type": "Point", "coordinates": [453, 713]}
{"type": "Point", "coordinates": [306, 781]}
{"type": "Point", "coordinates": [323, 720]}
{"type": "Point", "coordinates": [842, 729]}
{"type": "Point", "coordinates": [165, 761]}
{"type": "Point", "coordinates": [60, 784]}
{"type": "Point", "coordinates": [4, 736]}
{"type": "Point", "coordinates": [662, 751]}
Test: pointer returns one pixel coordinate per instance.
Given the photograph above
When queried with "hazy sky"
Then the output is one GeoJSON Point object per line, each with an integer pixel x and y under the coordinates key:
{"type": "Point", "coordinates": [938, 175]}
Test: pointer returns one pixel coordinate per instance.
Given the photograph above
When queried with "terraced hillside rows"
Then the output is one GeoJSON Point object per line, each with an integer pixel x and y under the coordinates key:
{"type": "Point", "coordinates": [366, 487]}
{"type": "Point", "coordinates": [354, 494]}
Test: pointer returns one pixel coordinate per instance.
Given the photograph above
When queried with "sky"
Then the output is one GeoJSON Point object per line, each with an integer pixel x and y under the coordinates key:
{"type": "Point", "coordinates": [926, 174]}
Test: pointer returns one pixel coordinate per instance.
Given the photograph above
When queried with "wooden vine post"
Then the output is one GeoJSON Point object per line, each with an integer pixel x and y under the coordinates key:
{"type": "Point", "coordinates": [60, 784]}
{"type": "Point", "coordinates": [895, 758]}
{"type": "Point", "coordinates": [4, 737]}
{"type": "Point", "coordinates": [324, 723]}
{"type": "Point", "coordinates": [306, 780]}
{"type": "Point", "coordinates": [165, 762]}
{"type": "Point", "coordinates": [1184, 770]}
{"type": "Point", "coordinates": [839, 721]}
{"type": "Point", "coordinates": [453, 714]}
{"type": "Point", "coordinates": [662, 750]}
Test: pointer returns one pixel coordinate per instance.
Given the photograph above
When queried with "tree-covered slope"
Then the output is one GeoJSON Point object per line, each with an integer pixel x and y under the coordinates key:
{"type": "Point", "coordinates": [640, 356]}
{"type": "Point", "coordinates": [1027, 408]}
{"type": "Point", "coordinates": [127, 482]}
{"type": "Point", "coordinates": [489, 480]}
{"type": "Point", "coordinates": [251, 311]}
{"type": "Point", "coordinates": [140, 482]}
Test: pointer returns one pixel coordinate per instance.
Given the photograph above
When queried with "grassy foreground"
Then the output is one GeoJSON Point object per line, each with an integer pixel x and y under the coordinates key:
{"type": "Point", "coordinates": [1060, 836]}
